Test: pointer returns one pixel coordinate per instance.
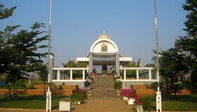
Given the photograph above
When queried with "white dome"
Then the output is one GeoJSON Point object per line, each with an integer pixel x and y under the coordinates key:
{"type": "Point", "coordinates": [103, 36]}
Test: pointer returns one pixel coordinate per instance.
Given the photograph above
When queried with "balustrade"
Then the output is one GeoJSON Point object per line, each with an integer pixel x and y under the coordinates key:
{"type": "Point", "coordinates": [67, 74]}
{"type": "Point", "coordinates": [138, 74]}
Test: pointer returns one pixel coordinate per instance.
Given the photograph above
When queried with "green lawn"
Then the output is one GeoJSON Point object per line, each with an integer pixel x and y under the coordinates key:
{"type": "Point", "coordinates": [179, 103]}
{"type": "Point", "coordinates": [29, 101]}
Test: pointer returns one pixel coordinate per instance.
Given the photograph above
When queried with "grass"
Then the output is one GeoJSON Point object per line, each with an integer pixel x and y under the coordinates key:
{"type": "Point", "coordinates": [30, 102]}
{"type": "Point", "coordinates": [178, 103]}
{"type": "Point", "coordinates": [181, 102]}
{"type": "Point", "coordinates": [169, 102]}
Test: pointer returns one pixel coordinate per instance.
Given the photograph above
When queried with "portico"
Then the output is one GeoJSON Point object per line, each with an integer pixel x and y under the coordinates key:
{"type": "Point", "coordinates": [104, 54]}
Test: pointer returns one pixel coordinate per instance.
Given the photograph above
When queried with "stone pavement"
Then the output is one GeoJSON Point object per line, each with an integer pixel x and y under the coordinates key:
{"type": "Point", "coordinates": [103, 105]}
{"type": "Point", "coordinates": [94, 105]}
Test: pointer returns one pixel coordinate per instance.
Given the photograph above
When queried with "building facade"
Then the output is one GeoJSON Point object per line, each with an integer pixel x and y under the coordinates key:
{"type": "Point", "coordinates": [104, 56]}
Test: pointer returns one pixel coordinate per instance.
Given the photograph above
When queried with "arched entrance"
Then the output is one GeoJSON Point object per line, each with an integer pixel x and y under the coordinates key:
{"type": "Point", "coordinates": [104, 56]}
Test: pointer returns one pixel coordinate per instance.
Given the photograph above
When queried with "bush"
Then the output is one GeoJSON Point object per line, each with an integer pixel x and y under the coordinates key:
{"type": "Point", "coordinates": [30, 86]}
{"type": "Point", "coordinates": [17, 85]}
{"type": "Point", "coordinates": [147, 103]}
{"type": "Point", "coordinates": [117, 85]}
{"type": "Point", "coordinates": [127, 93]}
{"type": "Point", "coordinates": [60, 87]}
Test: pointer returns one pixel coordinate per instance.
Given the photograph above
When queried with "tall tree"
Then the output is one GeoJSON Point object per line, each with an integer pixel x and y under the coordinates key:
{"type": "Point", "coordinates": [182, 59]}
{"type": "Point", "coordinates": [187, 44]}
{"type": "Point", "coordinates": [173, 68]}
{"type": "Point", "coordinates": [191, 23]}
{"type": "Point", "coordinates": [19, 49]}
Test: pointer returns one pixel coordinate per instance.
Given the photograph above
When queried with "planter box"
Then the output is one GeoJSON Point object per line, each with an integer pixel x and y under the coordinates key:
{"type": "Point", "coordinates": [64, 106]}
{"type": "Point", "coordinates": [125, 98]}
{"type": "Point", "coordinates": [131, 101]}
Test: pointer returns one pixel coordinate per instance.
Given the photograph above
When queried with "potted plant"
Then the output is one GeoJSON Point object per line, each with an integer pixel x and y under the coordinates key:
{"type": "Point", "coordinates": [128, 95]}
{"type": "Point", "coordinates": [117, 85]}
{"type": "Point", "coordinates": [139, 103]}
{"type": "Point", "coordinates": [79, 96]}
{"type": "Point", "coordinates": [87, 84]}
{"type": "Point", "coordinates": [75, 98]}
{"type": "Point", "coordinates": [65, 105]}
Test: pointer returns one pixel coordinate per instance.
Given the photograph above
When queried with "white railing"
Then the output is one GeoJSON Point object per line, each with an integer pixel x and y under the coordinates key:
{"type": "Point", "coordinates": [60, 76]}
{"type": "Point", "coordinates": [138, 74]}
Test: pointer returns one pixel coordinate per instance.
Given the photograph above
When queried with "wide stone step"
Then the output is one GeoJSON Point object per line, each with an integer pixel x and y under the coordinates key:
{"type": "Point", "coordinates": [104, 94]}
{"type": "Point", "coordinates": [104, 86]}
{"type": "Point", "coordinates": [104, 80]}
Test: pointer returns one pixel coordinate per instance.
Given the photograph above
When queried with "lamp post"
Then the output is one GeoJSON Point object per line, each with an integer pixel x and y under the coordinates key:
{"type": "Point", "coordinates": [48, 93]}
{"type": "Point", "coordinates": [158, 93]}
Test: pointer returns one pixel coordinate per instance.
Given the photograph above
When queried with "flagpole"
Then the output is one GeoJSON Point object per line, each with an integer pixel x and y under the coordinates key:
{"type": "Point", "coordinates": [158, 93]}
{"type": "Point", "coordinates": [48, 93]}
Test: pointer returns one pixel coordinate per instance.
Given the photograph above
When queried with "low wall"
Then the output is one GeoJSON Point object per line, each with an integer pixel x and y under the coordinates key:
{"type": "Point", "coordinates": [39, 90]}
{"type": "Point", "coordinates": [151, 90]}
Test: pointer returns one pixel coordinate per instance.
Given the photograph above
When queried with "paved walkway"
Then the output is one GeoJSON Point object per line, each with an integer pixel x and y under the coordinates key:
{"type": "Point", "coordinates": [97, 105]}
{"type": "Point", "coordinates": [103, 105]}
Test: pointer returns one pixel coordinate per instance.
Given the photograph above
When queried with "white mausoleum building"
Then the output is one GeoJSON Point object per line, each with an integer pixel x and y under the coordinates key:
{"type": "Point", "coordinates": [104, 56]}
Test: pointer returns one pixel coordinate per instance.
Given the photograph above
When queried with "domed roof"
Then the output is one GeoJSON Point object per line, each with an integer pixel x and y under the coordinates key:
{"type": "Point", "coordinates": [103, 36]}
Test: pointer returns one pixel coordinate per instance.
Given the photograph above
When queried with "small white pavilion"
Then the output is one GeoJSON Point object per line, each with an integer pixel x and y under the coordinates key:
{"type": "Point", "coordinates": [104, 56]}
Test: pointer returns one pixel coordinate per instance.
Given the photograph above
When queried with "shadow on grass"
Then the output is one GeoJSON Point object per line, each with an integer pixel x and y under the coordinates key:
{"type": "Point", "coordinates": [39, 97]}
{"type": "Point", "coordinates": [179, 101]}
{"type": "Point", "coordinates": [188, 98]}
{"type": "Point", "coordinates": [30, 101]}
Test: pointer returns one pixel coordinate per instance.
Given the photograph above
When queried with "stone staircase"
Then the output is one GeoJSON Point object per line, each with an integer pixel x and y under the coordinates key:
{"type": "Point", "coordinates": [104, 88]}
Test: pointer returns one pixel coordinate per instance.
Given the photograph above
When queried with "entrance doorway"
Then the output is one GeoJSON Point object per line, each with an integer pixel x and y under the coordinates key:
{"type": "Point", "coordinates": [104, 63]}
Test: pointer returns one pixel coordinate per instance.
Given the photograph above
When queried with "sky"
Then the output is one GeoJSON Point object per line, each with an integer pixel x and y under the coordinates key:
{"type": "Point", "coordinates": [77, 24]}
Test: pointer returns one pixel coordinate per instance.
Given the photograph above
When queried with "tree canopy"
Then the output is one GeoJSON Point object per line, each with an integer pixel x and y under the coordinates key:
{"type": "Point", "coordinates": [182, 59]}
{"type": "Point", "coordinates": [19, 49]}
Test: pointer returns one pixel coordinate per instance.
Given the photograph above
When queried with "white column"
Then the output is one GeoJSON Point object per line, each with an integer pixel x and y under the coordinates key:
{"type": "Point", "coordinates": [124, 74]}
{"type": "Point", "coordinates": [137, 73]}
{"type": "Point", "coordinates": [150, 74]}
{"type": "Point", "coordinates": [71, 74]}
{"type": "Point", "coordinates": [83, 75]}
{"type": "Point", "coordinates": [90, 62]}
{"type": "Point", "coordinates": [117, 64]}
{"type": "Point", "coordinates": [58, 74]}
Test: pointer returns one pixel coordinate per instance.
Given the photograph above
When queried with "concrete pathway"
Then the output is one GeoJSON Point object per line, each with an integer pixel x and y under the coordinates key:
{"type": "Point", "coordinates": [97, 105]}
{"type": "Point", "coordinates": [103, 105]}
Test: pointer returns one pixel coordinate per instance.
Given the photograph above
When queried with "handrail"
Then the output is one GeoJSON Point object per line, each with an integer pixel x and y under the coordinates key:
{"type": "Point", "coordinates": [70, 75]}
{"type": "Point", "coordinates": [137, 75]}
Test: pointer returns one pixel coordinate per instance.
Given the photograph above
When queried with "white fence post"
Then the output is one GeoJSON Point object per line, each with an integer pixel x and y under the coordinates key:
{"type": "Point", "coordinates": [71, 74]}
{"type": "Point", "coordinates": [58, 74]}
{"type": "Point", "coordinates": [124, 74]}
{"type": "Point", "coordinates": [150, 74]}
{"type": "Point", "coordinates": [137, 73]}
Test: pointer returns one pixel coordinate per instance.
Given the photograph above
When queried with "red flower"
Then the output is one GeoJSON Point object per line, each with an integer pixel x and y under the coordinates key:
{"type": "Point", "coordinates": [127, 93]}
{"type": "Point", "coordinates": [139, 100]}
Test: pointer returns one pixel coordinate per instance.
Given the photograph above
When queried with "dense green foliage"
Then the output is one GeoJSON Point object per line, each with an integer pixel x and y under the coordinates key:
{"type": "Point", "coordinates": [76, 73]}
{"type": "Point", "coordinates": [19, 49]}
{"type": "Point", "coordinates": [6, 12]}
{"type": "Point", "coordinates": [191, 23]}
{"type": "Point", "coordinates": [132, 73]}
{"type": "Point", "coordinates": [179, 64]}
